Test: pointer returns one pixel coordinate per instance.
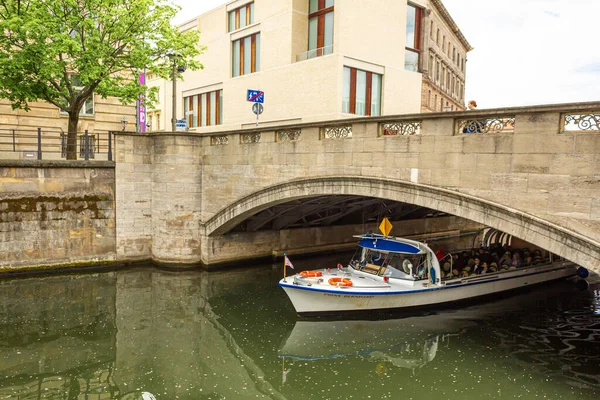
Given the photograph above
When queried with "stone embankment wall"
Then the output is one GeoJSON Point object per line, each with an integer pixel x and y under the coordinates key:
{"type": "Point", "coordinates": [56, 213]}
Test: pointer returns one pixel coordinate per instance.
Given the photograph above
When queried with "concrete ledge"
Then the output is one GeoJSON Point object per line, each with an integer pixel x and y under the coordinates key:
{"type": "Point", "coordinates": [56, 164]}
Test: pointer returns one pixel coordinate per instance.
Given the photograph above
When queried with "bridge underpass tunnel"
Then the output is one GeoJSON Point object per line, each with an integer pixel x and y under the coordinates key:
{"type": "Point", "coordinates": [328, 223]}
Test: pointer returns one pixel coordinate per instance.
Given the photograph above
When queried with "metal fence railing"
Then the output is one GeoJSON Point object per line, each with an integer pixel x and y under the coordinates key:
{"type": "Point", "coordinates": [48, 144]}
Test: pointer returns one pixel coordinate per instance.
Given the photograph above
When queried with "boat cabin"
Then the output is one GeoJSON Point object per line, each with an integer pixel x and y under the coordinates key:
{"type": "Point", "coordinates": [393, 258]}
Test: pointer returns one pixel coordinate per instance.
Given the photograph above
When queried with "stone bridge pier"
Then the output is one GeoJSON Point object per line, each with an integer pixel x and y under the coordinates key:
{"type": "Point", "coordinates": [532, 172]}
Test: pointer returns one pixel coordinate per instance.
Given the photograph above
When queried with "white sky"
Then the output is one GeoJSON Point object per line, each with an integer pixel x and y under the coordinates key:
{"type": "Point", "coordinates": [525, 51]}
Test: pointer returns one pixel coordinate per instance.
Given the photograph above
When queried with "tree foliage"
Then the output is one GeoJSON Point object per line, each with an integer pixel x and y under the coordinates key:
{"type": "Point", "coordinates": [63, 51]}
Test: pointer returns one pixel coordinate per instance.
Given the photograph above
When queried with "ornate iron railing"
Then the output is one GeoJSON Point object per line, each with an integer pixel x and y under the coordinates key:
{"type": "Point", "coordinates": [400, 128]}
{"type": "Point", "coordinates": [219, 140]}
{"type": "Point", "coordinates": [248, 138]}
{"type": "Point", "coordinates": [336, 132]}
{"type": "Point", "coordinates": [288, 135]}
{"type": "Point", "coordinates": [581, 122]}
{"type": "Point", "coordinates": [486, 125]}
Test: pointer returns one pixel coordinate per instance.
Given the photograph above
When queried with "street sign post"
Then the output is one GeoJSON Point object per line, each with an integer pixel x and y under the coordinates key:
{"type": "Point", "coordinates": [257, 109]}
{"type": "Point", "coordinates": [256, 96]}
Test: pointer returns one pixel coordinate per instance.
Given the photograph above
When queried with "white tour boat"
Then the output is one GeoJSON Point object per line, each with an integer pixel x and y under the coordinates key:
{"type": "Point", "coordinates": [394, 273]}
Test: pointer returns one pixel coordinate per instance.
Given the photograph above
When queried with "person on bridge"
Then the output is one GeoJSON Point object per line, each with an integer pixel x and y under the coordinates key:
{"type": "Point", "coordinates": [473, 126]}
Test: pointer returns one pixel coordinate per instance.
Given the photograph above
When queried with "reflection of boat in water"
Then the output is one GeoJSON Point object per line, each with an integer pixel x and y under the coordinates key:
{"type": "Point", "coordinates": [404, 343]}
{"type": "Point", "coordinates": [394, 273]}
{"type": "Point", "coordinates": [409, 342]}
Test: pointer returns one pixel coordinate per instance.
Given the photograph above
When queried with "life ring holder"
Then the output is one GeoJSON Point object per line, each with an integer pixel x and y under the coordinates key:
{"type": "Point", "coordinates": [340, 282]}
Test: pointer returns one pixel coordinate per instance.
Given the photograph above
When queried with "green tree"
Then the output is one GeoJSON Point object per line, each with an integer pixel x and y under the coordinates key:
{"type": "Point", "coordinates": [64, 51]}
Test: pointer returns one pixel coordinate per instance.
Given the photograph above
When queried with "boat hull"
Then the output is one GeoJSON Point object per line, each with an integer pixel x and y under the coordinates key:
{"type": "Point", "coordinates": [309, 300]}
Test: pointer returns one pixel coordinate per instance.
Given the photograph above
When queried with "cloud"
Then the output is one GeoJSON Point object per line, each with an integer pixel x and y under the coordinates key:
{"type": "Point", "coordinates": [552, 14]}
{"type": "Point", "coordinates": [589, 68]}
{"type": "Point", "coordinates": [512, 66]}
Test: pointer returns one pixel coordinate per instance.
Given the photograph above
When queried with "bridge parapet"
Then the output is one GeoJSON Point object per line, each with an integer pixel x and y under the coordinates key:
{"type": "Point", "coordinates": [542, 161]}
{"type": "Point", "coordinates": [547, 119]}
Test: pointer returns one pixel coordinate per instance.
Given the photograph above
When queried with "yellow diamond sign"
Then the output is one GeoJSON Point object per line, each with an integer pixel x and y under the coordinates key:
{"type": "Point", "coordinates": [385, 227]}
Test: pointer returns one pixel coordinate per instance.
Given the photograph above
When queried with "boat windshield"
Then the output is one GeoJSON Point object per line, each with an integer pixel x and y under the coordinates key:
{"type": "Point", "coordinates": [393, 265]}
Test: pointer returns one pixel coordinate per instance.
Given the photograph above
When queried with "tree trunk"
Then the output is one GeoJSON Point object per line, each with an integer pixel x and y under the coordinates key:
{"type": "Point", "coordinates": [72, 135]}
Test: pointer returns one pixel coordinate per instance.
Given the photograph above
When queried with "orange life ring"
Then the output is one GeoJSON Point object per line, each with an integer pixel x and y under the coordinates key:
{"type": "Point", "coordinates": [310, 274]}
{"type": "Point", "coordinates": [343, 282]}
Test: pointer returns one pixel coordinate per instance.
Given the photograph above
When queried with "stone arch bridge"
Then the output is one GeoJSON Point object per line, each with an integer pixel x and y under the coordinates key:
{"type": "Point", "coordinates": [532, 172]}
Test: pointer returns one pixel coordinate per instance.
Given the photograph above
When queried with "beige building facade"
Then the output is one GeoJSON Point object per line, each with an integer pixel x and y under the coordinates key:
{"type": "Point", "coordinates": [444, 61]}
{"type": "Point", "coordinates": [313, 59]}
{"type": "Point", "coordinates": [97, 115]}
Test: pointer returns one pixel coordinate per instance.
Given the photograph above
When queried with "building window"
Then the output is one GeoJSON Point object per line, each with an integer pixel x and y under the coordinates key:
{"type": "Point", "coordinates": [320, 28]}
{"type": "Point", "coordinates": [413, 38]}
{"type": "Point", "coordinates": [437, 71]}
{"type": "Point", "coordinates": [362, 92]}
{"type": "Point", "coordinates": [241, 17]}
{"type": "Point", "coordinates": [443, 81]}
{"type": "Point", "coordinates": [447, 81]}
{"type": "Point", "coordinates": [88, 107]}
{"type": "Point", "coordinates": [204, 109]}
{"type": "Point", "coordinates": [435, 103]}
{"type": "Point", "coordinates": [453, 54]}
{"type": "Point", "coordinates": [431, 67]}
{"type": "Point", "coordinates": [87, 110]}
{"type": "Point", "coordinates": [437, 37]}
{"type": "Point", "coordinates": [431, 31]}
{"type": "Point", "coordinates": [462, 65]}
{"type": "Point", "coordinates": [444, 43]}
{"type": "Point", "coordinates": [429, 98]}
{"type": "Point", "coordinates": [245, 55]}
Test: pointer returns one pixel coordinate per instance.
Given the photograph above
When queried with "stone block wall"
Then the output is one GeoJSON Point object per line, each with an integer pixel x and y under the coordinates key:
{"type": "Point", "coordinates": [54, 213]}
{"type": "Point", "coordinates": [133, 185]}
{"type": "Point", "coordinates": [176, 199]}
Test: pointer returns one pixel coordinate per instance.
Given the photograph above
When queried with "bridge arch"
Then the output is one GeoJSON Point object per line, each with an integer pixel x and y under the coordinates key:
{"type": "Point", "coordinates": [542, 233]}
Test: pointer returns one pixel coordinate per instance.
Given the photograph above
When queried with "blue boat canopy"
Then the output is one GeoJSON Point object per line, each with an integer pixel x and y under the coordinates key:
{"type": "Point", "coordinates": [376, 242]}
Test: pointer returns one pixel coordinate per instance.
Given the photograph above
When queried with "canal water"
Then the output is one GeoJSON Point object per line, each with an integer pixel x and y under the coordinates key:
{"type": "Point", "coordinates": [138, 333]}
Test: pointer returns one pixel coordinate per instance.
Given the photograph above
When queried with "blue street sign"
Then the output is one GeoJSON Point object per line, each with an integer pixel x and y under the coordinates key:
{"type": "Point", "coordinates": [256, 96]}
{"type": "Point", "coordinates": [180, 125]}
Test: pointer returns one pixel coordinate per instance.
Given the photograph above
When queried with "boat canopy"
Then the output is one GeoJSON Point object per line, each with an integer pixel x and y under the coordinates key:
{"type": "Point", "coordinates": [389, 244]}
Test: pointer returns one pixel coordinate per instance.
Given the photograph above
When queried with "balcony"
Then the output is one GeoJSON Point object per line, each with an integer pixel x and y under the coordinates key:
{"type": "Point", "coordinates": [307, 55]}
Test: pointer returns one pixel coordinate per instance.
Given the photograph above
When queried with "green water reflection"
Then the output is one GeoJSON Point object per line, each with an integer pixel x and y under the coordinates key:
{"type": "Point", "coordinates": [234, 335]}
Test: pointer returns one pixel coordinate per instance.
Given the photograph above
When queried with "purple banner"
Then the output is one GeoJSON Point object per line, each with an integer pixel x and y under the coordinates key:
{"type": "Point", "coordinates": [141, 117]}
